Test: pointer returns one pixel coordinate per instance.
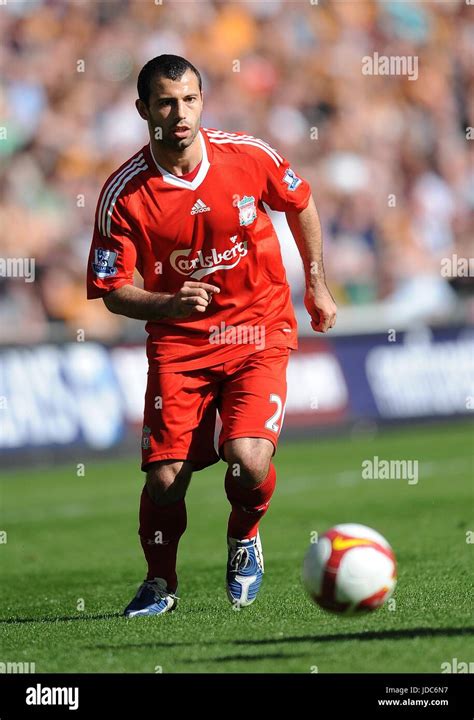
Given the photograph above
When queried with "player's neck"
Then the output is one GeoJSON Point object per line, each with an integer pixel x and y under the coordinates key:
{"type": "Point", "coordinates": [178, 163]}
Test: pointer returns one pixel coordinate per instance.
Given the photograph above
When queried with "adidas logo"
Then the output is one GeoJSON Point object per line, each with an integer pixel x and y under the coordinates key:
{"type": "Point", "coordinates": [199, 207]}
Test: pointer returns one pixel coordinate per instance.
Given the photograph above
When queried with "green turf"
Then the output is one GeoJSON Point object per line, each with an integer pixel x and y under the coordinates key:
{"type": "Point", "coordinates": [74, 538]}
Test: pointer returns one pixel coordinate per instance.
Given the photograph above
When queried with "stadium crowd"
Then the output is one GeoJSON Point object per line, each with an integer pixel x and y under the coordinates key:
{"type": "Point", "coordinates": [387, 155]}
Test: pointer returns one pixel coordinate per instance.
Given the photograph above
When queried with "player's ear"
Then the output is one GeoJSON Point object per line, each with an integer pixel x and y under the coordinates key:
{"type": "Point", "coordinates": [142, 109]}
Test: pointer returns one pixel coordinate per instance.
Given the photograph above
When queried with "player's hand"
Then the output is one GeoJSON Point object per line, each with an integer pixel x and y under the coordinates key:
{"type": "Point", "coordinates": [192, 297]}
{"type": "Point", "coordinates": [321, 307]}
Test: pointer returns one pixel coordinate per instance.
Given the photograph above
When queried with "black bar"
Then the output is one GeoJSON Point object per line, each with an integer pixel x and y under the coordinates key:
{"type": "Point", "coordinates": [316, 695]}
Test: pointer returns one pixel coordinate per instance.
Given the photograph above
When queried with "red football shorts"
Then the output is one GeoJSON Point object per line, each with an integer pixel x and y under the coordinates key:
{"type": "Point", "coordinates": [190, 415]}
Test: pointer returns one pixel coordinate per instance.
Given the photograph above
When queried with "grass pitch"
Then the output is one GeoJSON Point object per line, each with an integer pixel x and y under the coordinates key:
{"type": "Point", "coordinates": [72, 561]}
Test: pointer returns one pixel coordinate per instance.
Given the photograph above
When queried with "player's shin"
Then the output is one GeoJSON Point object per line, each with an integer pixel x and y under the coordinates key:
{"type": "Point", "coordinates": [161, 527]}
{"type": "Point", "coordinates": [249, 505]}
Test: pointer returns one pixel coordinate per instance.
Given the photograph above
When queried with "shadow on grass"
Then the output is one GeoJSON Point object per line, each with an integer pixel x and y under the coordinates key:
{"type": "Point", "coordinates": [246, 658]}
{"type": "Point", "coordinates": [400, 634]}
{"type": "Point", "coordinates": [65, 618]}
{"type": "Point", "coordinates": [340, 637]}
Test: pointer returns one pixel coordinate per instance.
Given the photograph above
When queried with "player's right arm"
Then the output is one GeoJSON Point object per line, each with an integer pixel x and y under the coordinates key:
{"type": "Point", "coordinates": [111, 266]}
{"type": "Point", "coordinates": [140, 304]}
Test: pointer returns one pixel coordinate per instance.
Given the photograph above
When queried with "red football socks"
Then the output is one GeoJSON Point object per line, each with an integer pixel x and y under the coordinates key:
{"type": "Point", "coordinates": [249, 505]}
{"type": "Point", "coordinates": [161, 527]}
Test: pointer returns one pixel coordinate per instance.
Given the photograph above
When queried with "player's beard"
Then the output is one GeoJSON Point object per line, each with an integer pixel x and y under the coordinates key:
{"type": "Point", "coordinates": [175, 144]}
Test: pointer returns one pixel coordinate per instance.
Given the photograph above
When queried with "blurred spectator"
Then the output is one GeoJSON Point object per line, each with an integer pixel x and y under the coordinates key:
{"type": "Point", "coordinates": [387, 156]}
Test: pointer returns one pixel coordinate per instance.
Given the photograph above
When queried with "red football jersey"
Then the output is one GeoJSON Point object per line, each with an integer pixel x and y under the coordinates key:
{"type": "Point", "coordinates": [211, 228]}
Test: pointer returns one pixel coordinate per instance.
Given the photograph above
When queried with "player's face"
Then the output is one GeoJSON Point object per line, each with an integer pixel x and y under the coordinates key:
{"type": "Point", "coordinates": [174, 111]}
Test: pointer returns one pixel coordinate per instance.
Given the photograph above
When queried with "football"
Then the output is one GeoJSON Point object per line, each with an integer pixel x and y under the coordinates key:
{"type": "Point", "coordinates": [350, 569]}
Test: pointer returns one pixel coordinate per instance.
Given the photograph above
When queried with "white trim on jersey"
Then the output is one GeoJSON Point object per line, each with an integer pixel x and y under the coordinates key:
{"type": "Point", "coordinates": [219, 137]}
{"type": "Point", "coordinates": [119, 190]}
{"type": "Point", "coordinates": [179, 181]}
{"type": "Point", "coordinates": [107, 204]}
{"type": "Point", "coordinates": [241, 136]}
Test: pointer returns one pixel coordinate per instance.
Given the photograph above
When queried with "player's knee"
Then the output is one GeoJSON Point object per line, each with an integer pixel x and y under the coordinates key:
{"type": "Point", "coordinates": [168, 481]}
{"type": "Point", "coordinates": [249, 465]}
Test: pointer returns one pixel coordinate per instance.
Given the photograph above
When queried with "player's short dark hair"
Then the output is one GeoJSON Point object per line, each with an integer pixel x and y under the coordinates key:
{"type": "Point", "coordinates": [172, 67]}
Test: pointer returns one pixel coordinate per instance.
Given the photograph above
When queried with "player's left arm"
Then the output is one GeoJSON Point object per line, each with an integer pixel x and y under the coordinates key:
{"type": "Point", "coordinates": [287, 192]}
{"type": "Point", "coordinates": [306, 229]}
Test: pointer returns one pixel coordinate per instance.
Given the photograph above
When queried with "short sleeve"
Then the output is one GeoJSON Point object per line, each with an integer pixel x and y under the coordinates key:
{"type": "Point", "coordinates": [113, 254]}
{"type": "Point", "coordinates": [283, 188]}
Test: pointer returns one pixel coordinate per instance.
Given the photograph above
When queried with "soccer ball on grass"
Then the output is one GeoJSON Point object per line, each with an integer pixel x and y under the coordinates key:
{"type": "Point", "coordinates": [350, 569]}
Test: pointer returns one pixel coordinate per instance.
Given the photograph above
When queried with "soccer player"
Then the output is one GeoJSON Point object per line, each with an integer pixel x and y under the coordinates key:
{"type": "Point", "coordinates": [187, 212]}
